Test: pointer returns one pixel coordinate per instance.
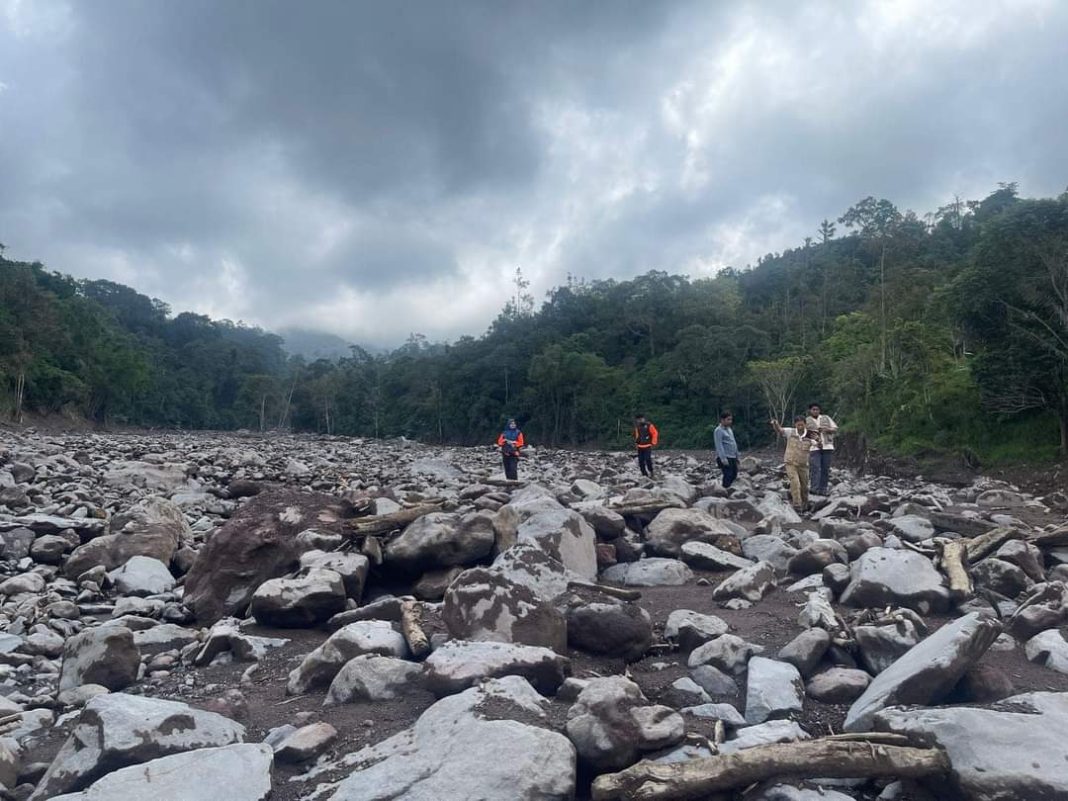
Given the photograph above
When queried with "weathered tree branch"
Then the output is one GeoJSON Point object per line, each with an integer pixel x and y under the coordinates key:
{"type": "Point", "coordinates": [830, 757]}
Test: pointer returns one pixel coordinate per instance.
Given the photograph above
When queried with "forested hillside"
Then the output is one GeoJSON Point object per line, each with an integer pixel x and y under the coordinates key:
{"type": "Point", "coordinates": [947, 331]}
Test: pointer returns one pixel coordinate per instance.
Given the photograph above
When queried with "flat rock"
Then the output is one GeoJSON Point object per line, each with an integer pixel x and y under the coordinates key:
{"type": "Point", "coordinates": [1013, 751]}
{"type": "Point", "coordinates": [883, 577]}
{"type": "Point", "coordinates": [229, 773]}
{"type": "Point", "coordinates": [927, 671]}
{"type": "Point", "coordinates": [117, 730]}
{"type": "Point", "coordinates": [444, 754]}
{"type": "Point", "coordinates": [691, 629]}
{"type": "Point", "coordinates": [373, 678]}
{"type": "Point", "coordinates": [654, 572]}
{"type": "Point", "coordinates": [703, 556]}
{"type": "Point", "coordinates": [773, 690]}
{"type": "Point", "coordinates": [459, 664]}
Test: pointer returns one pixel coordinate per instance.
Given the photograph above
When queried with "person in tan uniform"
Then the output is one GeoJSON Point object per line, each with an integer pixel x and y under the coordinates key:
{"type": "Point", "coordinates": [799, 443]}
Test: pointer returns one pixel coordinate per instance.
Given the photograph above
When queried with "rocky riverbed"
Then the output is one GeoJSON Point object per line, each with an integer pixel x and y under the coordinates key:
{"type": "Point", "coordinates": [237, 617]}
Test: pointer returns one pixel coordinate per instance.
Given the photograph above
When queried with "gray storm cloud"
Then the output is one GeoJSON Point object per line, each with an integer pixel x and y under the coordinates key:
{"type": "Point", "coordinates": [376, 169]}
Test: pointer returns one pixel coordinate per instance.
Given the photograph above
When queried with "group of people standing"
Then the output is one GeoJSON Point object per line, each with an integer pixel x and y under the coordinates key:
{"type": "Point", "coordinates": [809, 448]}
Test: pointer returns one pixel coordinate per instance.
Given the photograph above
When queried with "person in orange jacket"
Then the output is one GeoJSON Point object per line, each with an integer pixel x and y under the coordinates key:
{"type": "Point", "coordinates": [511, 442]}
{"type": "Point", "coordinates": [646, 438]}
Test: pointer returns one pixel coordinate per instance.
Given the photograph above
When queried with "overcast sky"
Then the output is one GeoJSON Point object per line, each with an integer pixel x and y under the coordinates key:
{"type": "Point", "coordinates": [376, 168]}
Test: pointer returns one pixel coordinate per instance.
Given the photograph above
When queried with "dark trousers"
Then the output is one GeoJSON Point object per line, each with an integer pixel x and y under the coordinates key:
{"type": "Point", "coordinates": [730, 471]}
{"type": "Point", "coordinates": [645, 461]}
{"type": "Point", "coordinates": [819, 468]}
{"type": "Point", "coordinates": [511, 467]}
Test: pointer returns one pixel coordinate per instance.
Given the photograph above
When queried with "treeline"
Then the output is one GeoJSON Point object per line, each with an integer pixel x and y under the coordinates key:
{"type": "Point", "coordinates": [948, 331]}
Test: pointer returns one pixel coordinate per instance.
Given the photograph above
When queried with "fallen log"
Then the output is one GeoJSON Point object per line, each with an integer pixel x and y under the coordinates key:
{"type": "Point", "coordinates": [954, 565]}
{"type": "Point", "coordinates": [614, 592]}
{"type": "Point", "coordinates": [386, 524]}
{"type": "Point", "coordinates": [980, 547]}
{"type": "Point", "coordinates": [502, 482]}
{"type": "Point", "coordinates": [412, 629]}
{"type": "Point", "coordinates": [827, 757]}
{"type": "Point", "coordinates": [1050, 539]}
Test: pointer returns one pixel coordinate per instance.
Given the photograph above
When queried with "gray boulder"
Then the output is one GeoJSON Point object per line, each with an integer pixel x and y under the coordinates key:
{"type": "Point", "coordinates": [440, 540]}
{"type": "Point", "coordinates": [153, 527]}
{"type": "Point", "coordinates": [565, 536]}
{"type": "Point", "coordinates": [117, 730]}
{"type": "Point", "coordinates": [653, 572]}
{"type": "Point", "coordinates": [362, 637]}
{"type": "Point", "coordinates": [610, 629]}
{"type": "Point", "coordinates": [373, 678]}
{"type": "Point", "coordinates": [751, 583]}
{"type": "Point", "coordinates": [612, 724]}
{"type": "Point", "coordinates": [691, 629]}
{"type": "Point", "coordinates": [299, 602]}
{"type": "Point", "coordinates": [485, 604]}
{"type": "Point", "coordinates": [773, 690]}
{"type": "Point", "coordinates": [444, 754]}
{"type": "Point", "coordinates": [459, 664]}
{"type": "Point", "coordinates": [883, 577]}
{"type": "Point", "coordinates": [104, 655]}
{"type": "Point", "coordinates": [142, 575]}
{"type": "Point", "coordinates": [927, 672]}
{"type": "Point", "coordinates": [1010, 752]}
{"type": "Point", "coordinates": [229, 773]}
{"type": "Point", "coordinates": [672, 528]}
{"type": "Point", "coordinates": [703, 556]}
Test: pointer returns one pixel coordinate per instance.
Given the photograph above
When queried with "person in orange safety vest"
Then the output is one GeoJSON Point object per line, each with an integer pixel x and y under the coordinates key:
{"type": "Point", "coordinates": [646, 438]}
{"type": "Point", "coordinates": [511, 443]}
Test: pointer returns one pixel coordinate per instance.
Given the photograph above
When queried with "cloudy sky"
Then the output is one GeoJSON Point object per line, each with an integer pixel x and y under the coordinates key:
{"type": "Point", "coordinates": [376, 168]}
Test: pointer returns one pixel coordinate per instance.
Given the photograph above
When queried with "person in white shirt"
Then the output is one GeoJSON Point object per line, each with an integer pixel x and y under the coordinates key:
{"type": "Point", "coordinates": [820, 459]}
{"type": "Point", "coordinates": [799, 444]}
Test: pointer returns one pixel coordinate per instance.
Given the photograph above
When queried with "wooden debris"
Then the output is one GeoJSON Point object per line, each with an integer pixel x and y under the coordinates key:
{"type": "Point", "coordinates": [849, 757]}
{"type": "Point", "coordinates": [614, 592]}
{"type": "Point", "coordinates": [954, 565]}
{"type": "Point", "coordinates": [985, 544]}
{"type": "Point", "coordinates": [412, 629]}
{"type": "Point", "coordinates": [1056, 538]}
{"type": "Point", "coordinates": [386, 524]}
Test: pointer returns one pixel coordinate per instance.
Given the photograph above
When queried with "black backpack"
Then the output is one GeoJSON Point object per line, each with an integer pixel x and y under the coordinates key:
{"type": "Point", "coordinates": [645, 436]}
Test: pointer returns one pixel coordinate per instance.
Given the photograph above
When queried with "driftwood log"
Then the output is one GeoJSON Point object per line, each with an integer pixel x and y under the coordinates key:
{"type": "Point", "coordinates": [412, 629]}
{"type": "Point", "coordinates": [955, 566]}
{"type": "Point", "coordinates": [1051, 539]}
{"type": "Point", "coordinates": [985, 544]}
{"type": "Point", "coordinates": [833, 757]}
{"type": "Point", "coordinates": [386, 524]}
{"type": "Point", "coordinates": [605, 589]}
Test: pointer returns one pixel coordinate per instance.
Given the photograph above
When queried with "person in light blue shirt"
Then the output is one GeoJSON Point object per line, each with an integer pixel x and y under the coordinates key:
{"type": "Point", "coordinates": [726, 449]}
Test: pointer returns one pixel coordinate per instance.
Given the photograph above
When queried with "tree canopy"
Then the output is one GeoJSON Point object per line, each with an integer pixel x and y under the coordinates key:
{"type": "Point", "coordinates": [947, 331]}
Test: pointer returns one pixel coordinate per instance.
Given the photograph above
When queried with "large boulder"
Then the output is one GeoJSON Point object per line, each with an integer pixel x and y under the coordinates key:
{"type": "Point", "coordinates": [654, 572]}
{"type": "Point", "coordinates": [773, 690]}
{"type": "Point", "coordinates": [565, 536]}
{"type": "Point", "coordinates": [373, 678]}
{"type": "Point", "coordinates": [672, 528]}
{"type": "Point", "coordinates": [1015, 750]}
{"type": "Point", "coordinates": [299, 602]}
{"type": "Point", "coordinates": [610, 628]}
{"type": "Point", "coordinates": [153, 527]}
{"type": "Point", "coordinates": [142, 575]}
{"type": "Point", "coordinates": [927, 672]}
{"type": "Point", "coordinates": [320, 667]}
{"type": "Point", "coordinates": [883, 577]}
{"type": "Point", "coordinates": [612, 724]}
{"type": "Point", "coordinates": [230, 773]}
{"type": "Point", "coordinates": [258, 543]}
{"type": "Point", "coordinates": [104, 655]}
{"type": "Point", "coordinates": [459, 664]}
{"type": "Point", "coordinates": [456, 749]}
{"type": "Point", "coordinates": [484, 604]}
{"type": "Point", "coordinates": [117, 730]}
{"type": "Point", "coordinates": [441, 539]}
